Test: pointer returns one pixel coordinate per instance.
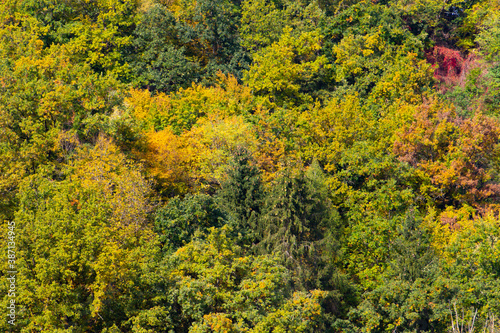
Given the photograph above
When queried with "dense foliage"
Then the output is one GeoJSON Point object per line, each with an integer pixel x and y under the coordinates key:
{"type": "Point", "coordinates": [250, 165]}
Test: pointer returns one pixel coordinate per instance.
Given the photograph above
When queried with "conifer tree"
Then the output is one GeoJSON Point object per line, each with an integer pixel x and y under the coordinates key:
{"type": "Point", "coordinates": [411, 251]}
{"type": "Point", "coordinates": [298, 223]}
{"type": "Point", "coordinates": [242, 196]}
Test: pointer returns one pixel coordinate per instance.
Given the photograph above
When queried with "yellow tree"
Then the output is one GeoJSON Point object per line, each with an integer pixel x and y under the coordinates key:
{"type": "Point", "coordinates": [278, 70]}
{"type": "Point", "coordinates": [81, 243]}
{"type": "Point", "coordinates": [44, 96]}
{"type": "Point", "coordinates": [191, 134]}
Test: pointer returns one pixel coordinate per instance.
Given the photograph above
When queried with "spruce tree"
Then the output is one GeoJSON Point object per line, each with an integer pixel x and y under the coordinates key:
{"type": "Point", "coordinates": [241, 196]}
{"type": "Point", "coordinates": [298, 224]}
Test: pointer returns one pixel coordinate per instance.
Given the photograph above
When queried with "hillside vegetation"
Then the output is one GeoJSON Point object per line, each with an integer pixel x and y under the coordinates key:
{"type": "Point", "coordinates": [250, 165]}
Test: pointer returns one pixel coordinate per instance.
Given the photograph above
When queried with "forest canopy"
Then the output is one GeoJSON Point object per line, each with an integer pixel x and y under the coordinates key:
{"type": "Point", "coordinates": [250, 165]}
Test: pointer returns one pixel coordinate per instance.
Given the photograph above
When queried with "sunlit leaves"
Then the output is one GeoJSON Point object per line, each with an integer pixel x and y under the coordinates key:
{"type": "Point", "coordinates": [81, 242]}
{"type": "Point", "coordinates": [261, 23]}
{"type": "Point", "coordinates": [192, 134]}
{"type": "Point", "coordinates": [453, 155]}
{"type": "Point", "coordinates": [95, 32]}
{"type": "Point", "coordinates": [324, 132]}
{"type": "Point", "coordinates": [43, 94]}
{"type": "Point", "coordinates": [182, 109]}
{"type": "Point", "coordinates": [379, 69]}
{"type": "Point", "coordinates": [278, 69]}
{"type": "Point", "coordinates": [217, 289]}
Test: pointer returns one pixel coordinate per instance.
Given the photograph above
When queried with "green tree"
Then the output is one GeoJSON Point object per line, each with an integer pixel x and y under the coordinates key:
{"type": "Point", "coordinates": [372, 191]}
{"type": "Point", "coordinates": [242, 196]}
{"type": "Point", "coordinates": [210, 32]}
{"type": "Point", "coordinates": [262, 23]}
{"type": "Point", "coordinates": [472, 266]}
{"type": "Point", "coordinates": [81, 244]}
{"type": "Point", "coordinates": [210, 287]}
{"type": "Point", "coordinates": [297, 224]}
{"type": "Point", "coordinates": [410, 296]}
{"type": "Point", "coordinates": [185, 42]}
{"type": "Point", "coordinates": [281, 70]}
{"type": "Point", "coordinates": [412, 256]}
{"type": "Point", "coordinates": [49, 104]}
{"type": "Point", "coordinates": [95, 32]}
{"type": "Point", "coordinates": [180, 220]}
{"type": "Point", "coordinates": [159, 60]}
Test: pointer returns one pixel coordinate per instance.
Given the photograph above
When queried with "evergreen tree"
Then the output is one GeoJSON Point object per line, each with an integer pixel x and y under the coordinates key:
{"type": "Point", "coordinates": [298, 223]}
{"type": "Point", "coordinates": [242, 196]}
{"type": "Point", "coordinates": [411, 252]}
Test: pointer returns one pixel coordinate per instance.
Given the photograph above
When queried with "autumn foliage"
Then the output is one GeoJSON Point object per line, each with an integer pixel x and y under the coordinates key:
{"type": "Point", "coordinates": [250, 166]}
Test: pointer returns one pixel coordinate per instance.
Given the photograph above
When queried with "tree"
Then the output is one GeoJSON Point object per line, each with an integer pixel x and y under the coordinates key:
{"type": "Point", "coordinates": [190, 42]}
{"type": "Point", "coordinates": [94, 32]}
{"type": "Point", "coordinates": [191, 135]}
{"type": "Point", "coordinates": [374, 55]}
{"type": "Point", "coordinates": [297, 224]}
{"type": "Point", "coordinates": [410, 296]}
{"type": "Point", "coordinates": [210, 31]}
{"type": "Point", "coordinates": [411, 253]}
{"type": "Point", "coordinates": [262, 23]}
{"type": "Point", "coordinates": [471, 265]}
{"type": "Point", "coordinates": [278, 70]}
{"type": "Point", "coordinates": [242, 195]}
{"type": "Point", "coordinates": [81, 243]}
{"type": "Point", "coordinates": [210, 287]}
{"type": "Point", "coordinates": [159, 60]}
{"type": "Point", "coordinates": [182, 220]}
{"type": "Point", "coordinates": [453, 156]}
{"type": "Point", "coordinates": [45, 98]}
